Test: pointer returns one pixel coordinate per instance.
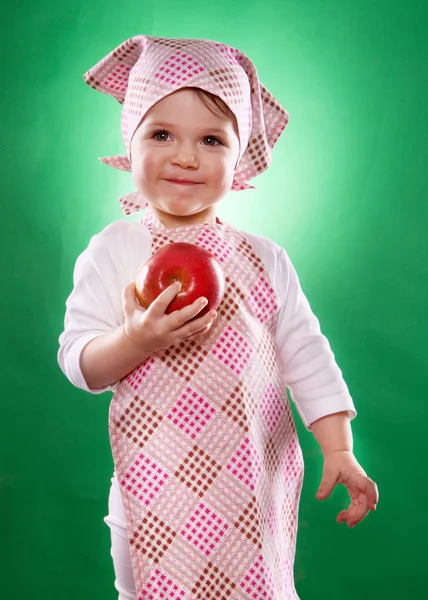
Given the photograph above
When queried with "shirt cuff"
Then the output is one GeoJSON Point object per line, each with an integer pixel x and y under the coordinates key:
{"type": "Point", "coordinates": [74, 371]}
{"type": "Point", "coordinates": [328, 406]}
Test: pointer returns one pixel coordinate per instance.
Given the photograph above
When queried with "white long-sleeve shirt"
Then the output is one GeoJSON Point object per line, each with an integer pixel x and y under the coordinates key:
{"type": "Point", "coordinates": [111, 261]}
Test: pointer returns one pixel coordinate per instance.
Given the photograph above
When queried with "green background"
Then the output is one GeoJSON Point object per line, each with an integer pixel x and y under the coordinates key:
{"type": "Point", "coordinates": [346, 196]}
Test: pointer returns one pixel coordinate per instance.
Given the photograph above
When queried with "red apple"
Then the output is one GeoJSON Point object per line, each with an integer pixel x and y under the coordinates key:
{"type": "Point", "coordinates": [198, 270]}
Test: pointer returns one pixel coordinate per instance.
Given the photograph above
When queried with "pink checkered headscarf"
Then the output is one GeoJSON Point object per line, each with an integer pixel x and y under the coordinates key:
{"type": "Point", "coordinates": [145, 69]}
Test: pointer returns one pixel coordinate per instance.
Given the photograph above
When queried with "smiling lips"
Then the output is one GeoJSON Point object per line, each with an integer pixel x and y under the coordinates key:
{"type": "Point", "coordinates": [177, 182]}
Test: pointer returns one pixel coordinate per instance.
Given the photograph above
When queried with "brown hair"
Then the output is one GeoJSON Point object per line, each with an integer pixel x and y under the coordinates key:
{"type": "Point", "coordinates": [208, 99]}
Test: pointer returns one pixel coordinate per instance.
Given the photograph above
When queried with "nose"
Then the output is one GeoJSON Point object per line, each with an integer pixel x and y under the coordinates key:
{"type": "Point", "coordinates": [185, 156]}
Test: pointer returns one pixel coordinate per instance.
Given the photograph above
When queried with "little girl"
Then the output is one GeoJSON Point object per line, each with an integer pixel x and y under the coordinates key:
{"type": "Point", "coordinates": [208, 468]}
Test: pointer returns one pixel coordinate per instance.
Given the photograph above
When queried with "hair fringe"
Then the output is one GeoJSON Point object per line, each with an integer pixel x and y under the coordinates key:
{"type": "Point", "coordinates": [208, 99]}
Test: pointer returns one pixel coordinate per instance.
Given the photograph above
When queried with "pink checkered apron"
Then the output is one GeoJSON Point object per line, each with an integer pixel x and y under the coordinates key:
{"type": "Point", "coordinates": [205, 447]}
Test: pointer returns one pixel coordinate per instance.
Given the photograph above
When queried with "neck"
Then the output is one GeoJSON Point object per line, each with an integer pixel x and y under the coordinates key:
{"type": "Point", "coordinates": [170, 221]}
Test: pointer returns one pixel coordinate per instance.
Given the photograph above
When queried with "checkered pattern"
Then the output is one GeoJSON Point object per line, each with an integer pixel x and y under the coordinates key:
{"type": "Point", "coordinates": [213, 584]}
{"type": "Point", "coordinates": [198, 471]}
{"type": "Point", "coordinates": [152, 537]}
{"type": "Point", "coordinates": [266, 350]}
{"type": "Point", "coordinates": [191, 414]}
{"type": "Point", "coordinates": [161, 585]}
{"type": "Point", "coordinates": [184, 365]}
{"type": "Point", "coordinates": [117, 82]}
{"type": "Point", "coordinates": [245, 464]}
{"type": "Point", "coordinates": [233, 296]}
{"type": "Point", "coordinates": [287, 571]}
{"type": "Point", "coordinates": [144, 479]}
{"type": "Point", "coordinates": [271, 407]}
{"type": "Point", "coordinates": [234, 406]}
{"type": "Point", "coordinates": [272, 520]}
{"type": "Point", "coordinates": [130, 422]}
{"type": "Point", "coordinates": [137, 376]}
{"type": "Point", "coordinates": [262, 298]}
{"type": "Point", "coordinates": [178, 69]}
{"type": "Point", "coordinates": [216, 245]}
{"type": "Point", "coordinates": [204, 529]}
{"type": "Point", "coordinates": [271, 459]}
{"type": "Point", "coordinates": [144, 69]}
{"type": "Point", "coordinates": [249, 523]}
{"type": "Point", "coordinates": [258, 581]}
{"type": "Point", "coordinates": [292, 463]}
{"type": "Point", "coordinates": [233, 350]}
{"type": "Point", "coordinates": [205, 446]}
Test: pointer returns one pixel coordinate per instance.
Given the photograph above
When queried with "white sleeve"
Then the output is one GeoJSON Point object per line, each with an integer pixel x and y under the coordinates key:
{"type": "Point", "coordinates": [308, 365]}
{"type": "Point", "coordinates": [94, 306]}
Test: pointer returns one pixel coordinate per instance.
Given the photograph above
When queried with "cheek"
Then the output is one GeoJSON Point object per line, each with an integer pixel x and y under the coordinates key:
{"type": "Point", "coordinates": [143, 168]}
{"type": "Point", "coordinates": [227, 169]}
{"type": "Point", "coordinates": [221, 167]}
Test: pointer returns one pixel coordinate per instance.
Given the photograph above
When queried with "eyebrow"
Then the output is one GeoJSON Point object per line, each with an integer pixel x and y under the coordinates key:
{"type": "Point", "coordinates": [171, 126]}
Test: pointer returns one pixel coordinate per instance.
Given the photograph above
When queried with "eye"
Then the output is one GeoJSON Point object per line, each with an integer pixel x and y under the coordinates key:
{"type": "Point", "coordinates": [210, 137]}
{"type": "Point", "coordinates": [159, 132]}
{"type": "Point", "coordinates": [164, 132]}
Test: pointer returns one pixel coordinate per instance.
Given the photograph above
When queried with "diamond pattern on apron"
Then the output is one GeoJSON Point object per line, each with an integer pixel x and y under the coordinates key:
{"type": "Point", "coordinates": [205, 446]}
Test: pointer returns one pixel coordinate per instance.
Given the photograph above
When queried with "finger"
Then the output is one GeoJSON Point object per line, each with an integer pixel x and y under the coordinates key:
{"type": "Point", "coordinates": [159, 306]}
{"type": "Point", "coordinates": [372, 494]}
{"type": "Point", "coordinates": [361, 512]}
{"type": "Point", "coordinates": [198, 326]}
{"type": "Point", "coordinates": [180, 317]}
{"type": "Point", "coordinates": [129, 298]}
{"type": "Point", "coordinates": [342, 517]}
{"type": "Point", "coordinates": [204, 329]}
{"type": "Point", "coordinates": [368, 487]}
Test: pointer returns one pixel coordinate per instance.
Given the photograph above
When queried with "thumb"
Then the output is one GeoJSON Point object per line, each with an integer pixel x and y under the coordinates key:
{"type": "Point", "coordinates": [326, 486]}
{"type": "Point", "coordinates": [324, 490]}
{"type": "Point", "coordinates": [129, 299]}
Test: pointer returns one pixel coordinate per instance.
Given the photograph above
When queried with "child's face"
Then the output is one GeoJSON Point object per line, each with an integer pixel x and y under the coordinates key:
{"type": "Point", "coordinates": [193, 144]}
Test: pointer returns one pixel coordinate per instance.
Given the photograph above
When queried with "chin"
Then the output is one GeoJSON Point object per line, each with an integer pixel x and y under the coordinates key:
{"type": "Point", "coordinates": [179, 209]}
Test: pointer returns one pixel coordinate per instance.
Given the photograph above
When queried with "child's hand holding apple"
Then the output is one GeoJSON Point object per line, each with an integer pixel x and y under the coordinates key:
{"type": "Point", "coordinates": [153, 329]}
{"type": "Point", "coordinates": [175, 297]}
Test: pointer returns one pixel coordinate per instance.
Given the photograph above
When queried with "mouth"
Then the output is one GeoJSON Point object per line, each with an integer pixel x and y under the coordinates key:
{"type": "Point", "coordinates": [188, 183]}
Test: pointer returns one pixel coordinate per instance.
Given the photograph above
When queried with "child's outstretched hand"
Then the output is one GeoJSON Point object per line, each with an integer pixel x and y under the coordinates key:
{"type": "Point", "coordinates": [342, 467]}
{"type": "Point", "coordinates": [153, 329]}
